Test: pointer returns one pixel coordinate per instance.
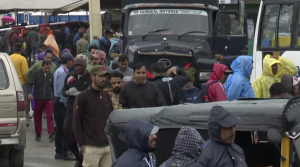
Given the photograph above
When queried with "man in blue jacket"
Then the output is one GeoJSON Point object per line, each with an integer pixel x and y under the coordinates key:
{"type": "Point", "coordinates": [140, 138]}
{"type": "Point", "coordinates": [237, 84]}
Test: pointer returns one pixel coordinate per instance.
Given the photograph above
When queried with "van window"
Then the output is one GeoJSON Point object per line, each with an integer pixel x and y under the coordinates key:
{"type": "Point", "coordinates": [4, 83]}
{"type": "Point", "coordinates": [285, 26]}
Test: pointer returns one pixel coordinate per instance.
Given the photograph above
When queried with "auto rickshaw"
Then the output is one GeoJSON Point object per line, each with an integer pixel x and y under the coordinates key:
{"type": "Point", "coordinates": [268, 132]}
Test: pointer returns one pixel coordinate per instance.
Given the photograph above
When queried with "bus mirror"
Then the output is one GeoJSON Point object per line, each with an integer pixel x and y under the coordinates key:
{"type": "Point", "coordinates": [274, 136]}
{"type": "Point", "coordinates": [107, 21]}
{"type": "Point", "coordinates": [225, 24]}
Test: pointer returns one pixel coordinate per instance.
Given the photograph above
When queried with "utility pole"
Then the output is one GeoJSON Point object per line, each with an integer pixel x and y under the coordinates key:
{"type": "Point", "coordinates": [95, 18]}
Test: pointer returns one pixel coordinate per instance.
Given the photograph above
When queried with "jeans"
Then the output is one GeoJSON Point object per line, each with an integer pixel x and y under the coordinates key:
{"type": "Point", "coordinates": [24, 87]}
{"type": "Point", "coordinates": [34, 51]}
{"type": "Point", "coordinates": [70, 137]}
{"type": "Point", "coordinates": [60, 115]}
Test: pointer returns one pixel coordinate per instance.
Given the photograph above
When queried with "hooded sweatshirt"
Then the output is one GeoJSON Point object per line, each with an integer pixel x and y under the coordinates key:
{"type": "Point", "coordinates": [216, 91]}
{"type": "Point", "coordinates": [262, 84]}
{"type": "Point", "coordinates": [187, 148]}
{"type": "Point", "coordinates": [237, 84]}
{"type": "Point", "coordinates": [214, 152]}
{"type": "Point", "coordinates": [137, 134]}
{"type": "Point", "coordinates": [287, 81]}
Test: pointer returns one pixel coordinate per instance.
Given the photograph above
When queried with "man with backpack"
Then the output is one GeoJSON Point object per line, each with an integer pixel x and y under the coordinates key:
{"type": "Point", "coordinates": [171, 88]}
{"type": "Point", "coordinates": [216, 90]}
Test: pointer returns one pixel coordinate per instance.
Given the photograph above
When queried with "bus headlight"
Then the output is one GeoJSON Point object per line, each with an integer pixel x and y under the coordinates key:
{"type": "Point", "coordinates": [204, 76]}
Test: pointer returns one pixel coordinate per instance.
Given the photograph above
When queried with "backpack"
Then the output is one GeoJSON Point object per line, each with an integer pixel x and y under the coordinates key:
{"type": "Point", "coordinates": [202, 92]}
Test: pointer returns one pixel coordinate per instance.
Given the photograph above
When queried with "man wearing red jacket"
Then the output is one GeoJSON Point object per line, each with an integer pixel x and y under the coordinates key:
{"type": "Point", "coordinates": [216, 91]}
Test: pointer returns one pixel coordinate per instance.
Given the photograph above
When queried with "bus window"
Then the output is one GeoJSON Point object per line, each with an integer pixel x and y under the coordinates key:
{"type": "Point", "coordinates": [298, 27]}
{"type": "Point", "coordinates": [269, 26]}
{"type": "Point", "coordinates": [285, 24]}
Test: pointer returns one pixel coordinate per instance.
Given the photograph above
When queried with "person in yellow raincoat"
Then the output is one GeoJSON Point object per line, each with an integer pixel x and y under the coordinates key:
{"type": "Point", "coordinates": [273, 69]}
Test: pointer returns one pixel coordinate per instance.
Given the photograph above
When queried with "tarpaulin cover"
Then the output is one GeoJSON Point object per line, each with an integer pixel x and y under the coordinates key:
{"type": "Point", "coordinates": [257, 115]}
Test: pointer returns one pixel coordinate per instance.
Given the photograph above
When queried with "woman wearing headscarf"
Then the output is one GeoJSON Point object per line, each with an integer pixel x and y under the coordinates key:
{"type": "Point", "coordinates": [187, 148]}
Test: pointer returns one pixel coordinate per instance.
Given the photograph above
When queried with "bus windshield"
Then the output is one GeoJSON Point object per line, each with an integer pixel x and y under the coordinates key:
{"type": "Point", "coordinates": [179, 21]}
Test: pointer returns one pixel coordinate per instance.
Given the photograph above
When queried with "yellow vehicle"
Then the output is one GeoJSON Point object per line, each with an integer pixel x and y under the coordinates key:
{"type": "Point", "coordinates": [268, 134]}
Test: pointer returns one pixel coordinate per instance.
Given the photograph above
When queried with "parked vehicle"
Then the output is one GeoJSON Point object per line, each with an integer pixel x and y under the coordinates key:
{"type": "Point", "coordinates": [275, 121]}
{"type": "Point", "coordinates": [277, 33]}
{"type": "Point", "coordinates": [182, 32]}
{"type": "Point", "coordinates": [12, 113]}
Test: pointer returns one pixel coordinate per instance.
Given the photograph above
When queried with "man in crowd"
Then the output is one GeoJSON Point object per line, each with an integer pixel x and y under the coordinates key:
{"type": "Point", "coordinates": [75, 82]}
{"type": "Point", "coordinates": [291, 83]}
{"type": "Point", "coordinates": [91, 111]}
{"type": "Point", "coordinates": [187, 148]}
{"type": "Point", "coordinates": [273, 69]}
{"type": "Point", "coordinates": [124, 69]}
{"type": "Point", "coordinates": [76, 38]}
{"type": "Point", "coordinates": [7, 38]}
{"type": "Point", "coordinates": [59, 106]}
{"type": "Point", "coordinates": [82, 44]}
{"type": "Point", "coordinates": [14, 38]}
{"type": "Point", "coordinates": [278, 91]}
{"type": "Point", "coordinates": [99, 59]}
{"type": "Point", "coordinates": [59, 38]}
{"type": "Point", "coordinates": [171, 88]}
{"type": "Point", "coordinates": [216, 90]}
{"type": "Point", "coordinates": [140, 138]}
{"type": "Point", "coordinates": [95, 41]}
{"type": "Point", "coordinates": [92, 49]}
{"type": "Point", "coordinates": [37, 65]}
{"type": "Point", "coordinates": [117, 83]}
{"type": "Point", "coordinates": [104, 45]}
{"type": "Point", "coordinates": [42, 36]}
{"type": "Point", "coordinates": [42, 80]}
{"type": "Point", "coordinates": [26, 46]}
{"type": "Point", "coordinates": [221, 150]}
{"type": "Point", "coordinates": [140, 93]}
{"type": "Point", "coordinates": [21, 67]}
{"type": "Point", "coordinates": [237, 84]}
{"type": "Point", "coordinates": [34, 38]}
{"type": "Point", "coordinates": [108, 88]}
{"type": "Point", "coordinates": [189, 90]}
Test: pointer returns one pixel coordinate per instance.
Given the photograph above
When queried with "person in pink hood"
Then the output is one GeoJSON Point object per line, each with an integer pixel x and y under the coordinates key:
{"type": "Point", "coordinates": [216, 90]}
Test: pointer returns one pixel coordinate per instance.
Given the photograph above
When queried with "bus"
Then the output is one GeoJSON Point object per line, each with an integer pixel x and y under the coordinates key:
{"type": "Point", "coordinates": [277, 33]}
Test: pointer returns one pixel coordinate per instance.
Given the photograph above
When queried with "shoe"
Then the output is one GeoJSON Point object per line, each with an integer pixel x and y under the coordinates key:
{"type": "Point", "coordinates": [69, 157]}
{"type": "Point", "coordinates": [58, 156]}
{"type": "Point", "coordinates": [52, 136]}
{"type": "Point", "coordinates": [38, 138]}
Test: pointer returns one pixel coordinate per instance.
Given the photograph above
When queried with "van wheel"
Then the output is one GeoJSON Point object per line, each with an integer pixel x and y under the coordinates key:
{"type": "Point", "coordinates": [16, 157]}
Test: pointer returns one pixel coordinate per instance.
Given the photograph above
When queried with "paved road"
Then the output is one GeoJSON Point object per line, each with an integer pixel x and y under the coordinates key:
{"type": "Point", "coordinates": [41, 154]}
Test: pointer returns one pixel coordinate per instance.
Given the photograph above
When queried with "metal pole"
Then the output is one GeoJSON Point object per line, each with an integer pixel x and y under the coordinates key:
{"type": "Point", "coordinates": [16, 16]}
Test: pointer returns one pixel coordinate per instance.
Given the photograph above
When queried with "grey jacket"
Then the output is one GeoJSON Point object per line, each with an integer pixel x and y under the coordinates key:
{"type": "Point", "coordinates": [43, 85]}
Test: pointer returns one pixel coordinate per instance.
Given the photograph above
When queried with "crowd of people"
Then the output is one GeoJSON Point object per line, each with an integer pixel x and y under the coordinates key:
{"type": "Point", "coordinates": [72, 82]}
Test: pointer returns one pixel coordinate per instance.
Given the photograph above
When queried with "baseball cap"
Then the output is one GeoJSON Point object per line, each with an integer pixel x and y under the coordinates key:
{"type": "Point", "coordinates": [96, 37]}
{"type": "Point", "coordinates": [295, 81]}
{"type": "Point", "coordinates": [67, 56]}
{"type": "Point", "coordinates": [99, 54]}
{"type": "Point", "coordinates": [154, 130]}
{"type": "Point", "coordinates": [98, 70]}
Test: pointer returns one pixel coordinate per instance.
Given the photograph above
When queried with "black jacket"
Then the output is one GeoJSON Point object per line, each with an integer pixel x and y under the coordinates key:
{"type": "Point", "coordinates": [26, 46]}
{"type": "Point", "coordinates": [43, 85]}
{"type": "Point", "coordinates": [214, 152]}
{"type": "Point", "coordinates": [137, 134]}
{"type": "Point", "coordinates": [81, 84]}
{"type": "Point", "coordinates": [168, 86]}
